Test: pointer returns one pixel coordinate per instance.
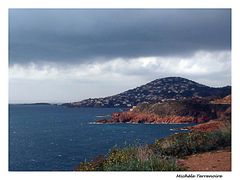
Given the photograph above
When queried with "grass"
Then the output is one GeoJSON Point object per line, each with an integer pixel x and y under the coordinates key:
{"type": "Point", "coordinates": [160, 156]}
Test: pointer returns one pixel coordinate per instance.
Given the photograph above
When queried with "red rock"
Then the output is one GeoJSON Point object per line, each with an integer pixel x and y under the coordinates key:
{"type": "Point", "coordinates": [209, 126]}
{"type": "Point", "coordinates": [131, 117]}
{"type": "Point", "coordinates": [225, 100]}
{"type": "Point", "coordinates": [173, 112]}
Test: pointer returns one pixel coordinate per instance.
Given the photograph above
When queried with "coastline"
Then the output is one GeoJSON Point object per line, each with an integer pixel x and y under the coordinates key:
{"type": "Point", "coordinates": [205, 139]}
{"type": "Point", "coordinates": [172, 153]}
{"type": "Point", "coordinates": [135, 123]}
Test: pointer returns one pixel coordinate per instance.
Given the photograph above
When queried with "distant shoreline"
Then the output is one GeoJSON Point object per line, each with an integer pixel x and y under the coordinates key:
{"type": "Point", "coordinates": [35, 104]}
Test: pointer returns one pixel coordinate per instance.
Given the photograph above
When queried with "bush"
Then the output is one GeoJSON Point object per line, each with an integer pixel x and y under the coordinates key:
{"type": "Point", "coordinates": [183, 144]}
{"type": "Point", "coordinates": [153, 163]}
{"type": "Point", "coordinates": [131, 159]}
{"type": "Point", "coordinates": [160, 156]}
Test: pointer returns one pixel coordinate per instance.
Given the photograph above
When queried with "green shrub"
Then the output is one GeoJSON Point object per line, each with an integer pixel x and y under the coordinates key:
{"type": "Point", "coordinates": [183, 144]}
{"type": "Point", "coordinates": [160, 156]}
{"type": "Point", "coordinates": [131, 159]}
{"type": "Point", "coordinates": [153, 163]}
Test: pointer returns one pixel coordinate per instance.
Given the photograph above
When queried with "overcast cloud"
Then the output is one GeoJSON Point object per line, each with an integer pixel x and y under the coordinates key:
{"type": "Point", "coordinates": [69, 55]}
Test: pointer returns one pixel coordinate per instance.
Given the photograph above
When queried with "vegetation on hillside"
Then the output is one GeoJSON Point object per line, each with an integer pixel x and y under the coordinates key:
{"type": "Point", "coordinates": [162, 155]}
{"type": "Point", "coordinates": [183, 144]}
{"type": "Point", "coordinates": [159, 90]}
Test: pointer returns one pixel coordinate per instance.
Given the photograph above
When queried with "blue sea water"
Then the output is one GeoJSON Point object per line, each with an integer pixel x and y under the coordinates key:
{"type": "Point", "coordinates": [57, 138]}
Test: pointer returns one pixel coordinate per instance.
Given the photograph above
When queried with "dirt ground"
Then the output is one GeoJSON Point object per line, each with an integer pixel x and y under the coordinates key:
{"type": "Point", "coordinates": [209, 161]}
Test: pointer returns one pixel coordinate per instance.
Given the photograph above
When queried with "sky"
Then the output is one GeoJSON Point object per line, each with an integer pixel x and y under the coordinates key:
{"type": "Point", "coordinates": [67, 55]}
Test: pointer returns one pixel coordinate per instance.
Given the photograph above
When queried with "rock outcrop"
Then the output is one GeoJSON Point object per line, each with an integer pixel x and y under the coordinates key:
{"type": "Point", "coordinates": [131, 117]}
{"type": "Point", "coordinates": [209, 126]}
{"type": "Point", "coordinates": [225, 100]}
{"type": "Point", "coordinates": [186, 111]}
{"type": "Point", "coordinates": [223, 121]}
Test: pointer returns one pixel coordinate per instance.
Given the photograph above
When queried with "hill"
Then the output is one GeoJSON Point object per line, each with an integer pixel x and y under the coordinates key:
{"type": "Point", "coordinates": [159, 90]}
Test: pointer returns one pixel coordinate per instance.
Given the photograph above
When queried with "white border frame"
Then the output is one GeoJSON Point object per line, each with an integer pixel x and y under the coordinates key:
{"type": "Point", "coordinates": [4, 6]}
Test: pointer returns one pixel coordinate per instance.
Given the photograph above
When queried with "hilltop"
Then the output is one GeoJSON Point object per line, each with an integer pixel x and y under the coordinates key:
{"type": "Point", "coordinates": [159, 90]}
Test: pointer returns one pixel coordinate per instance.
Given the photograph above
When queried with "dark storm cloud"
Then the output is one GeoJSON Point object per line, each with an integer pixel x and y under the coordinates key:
{"type": "Point", "coordinates": [87, 35]}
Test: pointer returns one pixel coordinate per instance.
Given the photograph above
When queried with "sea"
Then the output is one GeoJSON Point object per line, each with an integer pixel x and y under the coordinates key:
{"type": "Point", "coordinates": [58, 138]}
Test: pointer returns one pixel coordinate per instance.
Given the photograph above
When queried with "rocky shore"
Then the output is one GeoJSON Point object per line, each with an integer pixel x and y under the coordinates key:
{"type": "Point", "coordinates": [184, 111]}
{"type": "Point", "coordinates": [131, 117]}
{"type": "Point", "coordinates": [172, 101]}
{"type": "Point", "coordinates": [207, 147]}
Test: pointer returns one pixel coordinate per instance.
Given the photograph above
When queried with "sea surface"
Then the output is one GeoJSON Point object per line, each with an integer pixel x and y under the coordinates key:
{"type": "Point", "coordinates": [57, 138]}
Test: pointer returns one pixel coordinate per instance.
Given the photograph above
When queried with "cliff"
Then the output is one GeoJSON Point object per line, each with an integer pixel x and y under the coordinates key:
{"type": "Point", "coordinates": [181, 111]}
